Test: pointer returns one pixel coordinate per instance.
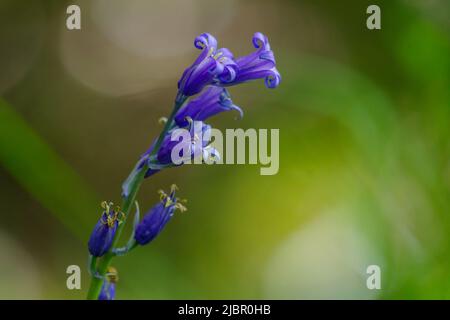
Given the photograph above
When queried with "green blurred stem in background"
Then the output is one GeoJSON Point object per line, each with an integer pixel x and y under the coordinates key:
{"type": "Point", "coordinates": [39, 169]}
{"type": "Point", "coordinates": [97, 282]}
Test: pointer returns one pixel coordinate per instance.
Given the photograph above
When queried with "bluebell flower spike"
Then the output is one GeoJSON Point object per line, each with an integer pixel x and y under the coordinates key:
{"type": "Point", "coordinates": [212, 71]}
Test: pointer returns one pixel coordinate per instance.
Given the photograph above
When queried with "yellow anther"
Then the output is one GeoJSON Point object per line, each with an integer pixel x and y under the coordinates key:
{"type": "Point", "coordinates": [162, 195]}
{"type": "Point", "coordinates": [218, 55]}
{"type": "Point", "coordinates": [180, 207]}
{"type": "Point", "coordinates": [169, 201]}
{"type": "Point", "coordinates": [110, 216]}
{"type": "Point", "coordinates": [111, 221]}
{"type": "Point", "coordinates": [112, 275]}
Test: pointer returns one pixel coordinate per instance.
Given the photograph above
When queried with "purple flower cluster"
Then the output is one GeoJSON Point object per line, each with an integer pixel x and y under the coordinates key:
{"type": "Point", "coordinates": [219, 67]}
{"type": "Point", "coordinates": [212, 71]}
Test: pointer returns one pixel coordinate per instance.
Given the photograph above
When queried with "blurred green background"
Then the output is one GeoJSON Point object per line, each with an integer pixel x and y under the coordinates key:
{"type": "Point", "coordinates": [364, 119]}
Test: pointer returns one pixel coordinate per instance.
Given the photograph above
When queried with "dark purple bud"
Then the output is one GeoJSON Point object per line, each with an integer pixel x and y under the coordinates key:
{"type": "Point", "coordinates": [103, 234]}
{"type": "Point", "coordinates": [158, 216]}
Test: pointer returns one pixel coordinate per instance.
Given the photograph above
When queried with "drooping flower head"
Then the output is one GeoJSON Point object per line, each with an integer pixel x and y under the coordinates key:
{"type": "Point", "coordinates": [210, 102]}
{"type": "Point", "coordinates": [212, 65]}
{"type": "Point", "coordinates": [214, 68]}
{"type": "Point", "coordinates": [103, 234]}
{"type": "Point", "coordinates": [158, 216]}
{"type": "Point", "coordinates": [257, 65]}
{"type": "Point", "coordinates": [108, 291]}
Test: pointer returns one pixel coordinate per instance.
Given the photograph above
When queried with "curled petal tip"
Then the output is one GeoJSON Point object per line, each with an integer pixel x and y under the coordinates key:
{"type": "Point", "coordinates": [260, 41]}
{"type": "Point", "coordinates": [217, 68]}
{"type": "Point", "coordinates": [273, 80]}
{"type": "Point", "coordinates": [236, 108]}
{"type": "Point", "coordinates": [229, 74]}
{"type": "Point", "coordinates": [205, 40]}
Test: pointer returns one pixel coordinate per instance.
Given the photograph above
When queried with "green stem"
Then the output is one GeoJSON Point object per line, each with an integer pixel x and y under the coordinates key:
{"type": "Point", "coordinates": [96, 284]}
